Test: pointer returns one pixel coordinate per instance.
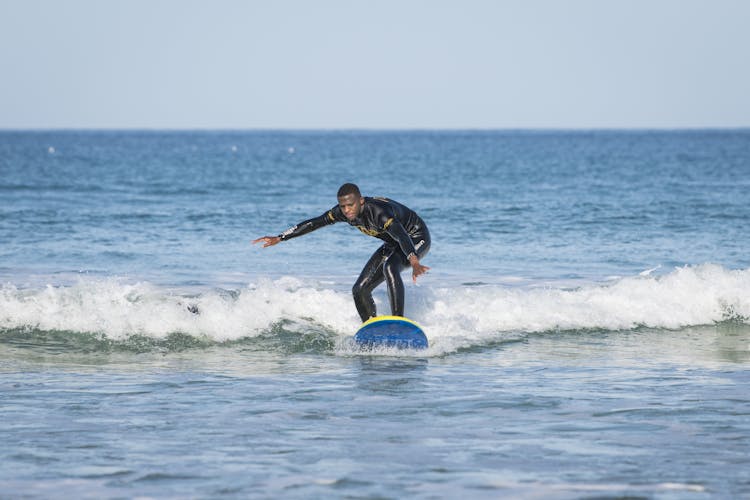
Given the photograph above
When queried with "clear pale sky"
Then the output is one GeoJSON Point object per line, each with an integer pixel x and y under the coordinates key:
{"type": "Point", "coordinates": [235, 64]}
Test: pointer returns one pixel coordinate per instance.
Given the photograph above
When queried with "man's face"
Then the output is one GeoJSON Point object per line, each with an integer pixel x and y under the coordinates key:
{"type": "Point", "coordinates": [351, 205]}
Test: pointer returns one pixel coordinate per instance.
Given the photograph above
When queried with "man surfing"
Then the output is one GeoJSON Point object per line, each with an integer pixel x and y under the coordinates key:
{"type": "Point", "coordinates": [405, 234]}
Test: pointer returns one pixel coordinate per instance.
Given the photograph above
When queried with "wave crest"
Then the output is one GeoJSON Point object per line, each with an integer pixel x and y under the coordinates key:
{"type": "Point", "coordinates": [453, 317]}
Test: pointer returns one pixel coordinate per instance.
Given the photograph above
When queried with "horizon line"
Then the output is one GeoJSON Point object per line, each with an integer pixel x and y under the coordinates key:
{"type": "Point", "coordinates": [379, 129]}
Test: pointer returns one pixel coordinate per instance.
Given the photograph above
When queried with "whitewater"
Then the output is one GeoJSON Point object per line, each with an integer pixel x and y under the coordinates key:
{"type": "Point", "coordinates": [455, 317]}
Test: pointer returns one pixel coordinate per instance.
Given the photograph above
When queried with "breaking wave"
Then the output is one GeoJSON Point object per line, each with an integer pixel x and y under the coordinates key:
{"type": "Point", "coordinates": [112, 311]}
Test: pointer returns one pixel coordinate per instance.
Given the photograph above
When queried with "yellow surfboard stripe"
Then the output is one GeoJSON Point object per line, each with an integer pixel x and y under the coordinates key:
{"type": "Point", "coordinates": [389, 318]}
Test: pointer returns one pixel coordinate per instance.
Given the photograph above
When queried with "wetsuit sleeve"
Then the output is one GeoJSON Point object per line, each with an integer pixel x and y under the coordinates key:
{"type": "Point", "coordinates": [397, 231]}
{"type": "Point", "coordinates": [330, 217]}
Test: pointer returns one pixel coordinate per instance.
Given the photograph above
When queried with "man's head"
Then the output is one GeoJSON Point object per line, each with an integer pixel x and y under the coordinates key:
{"type": "Point", "coordinates": [350, 200]}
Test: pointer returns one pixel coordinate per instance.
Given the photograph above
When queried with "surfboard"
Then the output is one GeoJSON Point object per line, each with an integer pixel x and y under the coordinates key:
{"type": "Point", "coordinates": [391, 331]}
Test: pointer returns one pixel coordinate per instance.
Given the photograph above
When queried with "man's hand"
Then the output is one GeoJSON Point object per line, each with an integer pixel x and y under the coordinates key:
{"type": "Point", "coordinates": [268, 241]}
{"type": "Point", "coordinates": [417, 269]}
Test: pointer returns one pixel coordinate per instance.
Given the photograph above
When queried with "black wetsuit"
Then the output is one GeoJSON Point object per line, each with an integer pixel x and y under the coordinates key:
{"type": "Point", "coordinates": [403, 232]}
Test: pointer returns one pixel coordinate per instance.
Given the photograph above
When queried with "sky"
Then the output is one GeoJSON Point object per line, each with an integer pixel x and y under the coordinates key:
{"type": "Point", "coordinates": [385, 64]}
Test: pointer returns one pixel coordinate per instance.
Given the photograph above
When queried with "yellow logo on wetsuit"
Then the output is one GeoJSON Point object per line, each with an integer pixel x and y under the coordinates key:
{"type": "Point", "coordinates": [375, 232]}
{"type": "Point", "coordinates": [368, 232]}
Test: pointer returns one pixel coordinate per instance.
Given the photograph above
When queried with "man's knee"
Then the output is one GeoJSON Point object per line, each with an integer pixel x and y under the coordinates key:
{"type": "Point", "coordinates": [358, 290]}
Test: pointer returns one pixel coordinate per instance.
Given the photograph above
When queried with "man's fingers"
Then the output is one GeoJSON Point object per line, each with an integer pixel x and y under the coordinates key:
{"type": "Point", "coordinates": [266, 239]}
{"type": "Point", "coordinates": [419, 272]}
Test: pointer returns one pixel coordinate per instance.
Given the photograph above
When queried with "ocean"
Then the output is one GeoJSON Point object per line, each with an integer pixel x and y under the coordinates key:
{"type": "Point", "coordinates": [587, 308]}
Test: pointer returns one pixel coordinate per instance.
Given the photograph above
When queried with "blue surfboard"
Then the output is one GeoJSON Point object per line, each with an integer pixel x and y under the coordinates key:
{"type": "Point", "coordinates": [391, 331]}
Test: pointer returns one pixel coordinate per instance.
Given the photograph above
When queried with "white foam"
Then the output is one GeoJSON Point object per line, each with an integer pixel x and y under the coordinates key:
{"type": "Point", "coordinates": [119, 309]}
{"type": "Point", "coordinates": [453, 317]}
{"type": "Point", "coordinates": [687, 296]}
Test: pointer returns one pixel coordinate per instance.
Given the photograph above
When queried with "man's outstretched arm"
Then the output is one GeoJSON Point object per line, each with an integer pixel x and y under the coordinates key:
{"type": "Point", "coordinates": [302, 228]}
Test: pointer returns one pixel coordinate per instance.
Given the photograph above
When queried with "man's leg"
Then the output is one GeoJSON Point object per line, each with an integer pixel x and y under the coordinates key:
{"type": "Point", "coordinates": [394, 264]}
{"type": "Point", "coordinates": [370, 277]}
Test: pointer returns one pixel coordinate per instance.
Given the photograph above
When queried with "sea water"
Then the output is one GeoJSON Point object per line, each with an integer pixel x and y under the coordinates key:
{"type": "Point", "coordinates": [587, 307]}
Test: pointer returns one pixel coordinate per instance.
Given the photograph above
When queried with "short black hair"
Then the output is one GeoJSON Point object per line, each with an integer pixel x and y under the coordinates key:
{"type": "Point", "coordinates": [347, 189]}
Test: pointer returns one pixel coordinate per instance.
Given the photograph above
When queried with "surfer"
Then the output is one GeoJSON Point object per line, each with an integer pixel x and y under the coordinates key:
{"type": "Point", "coordinates": [406, 241]}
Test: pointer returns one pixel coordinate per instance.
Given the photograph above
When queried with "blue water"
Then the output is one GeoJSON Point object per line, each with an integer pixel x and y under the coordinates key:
{"type": "Point", "coordinates": [588, 310]}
